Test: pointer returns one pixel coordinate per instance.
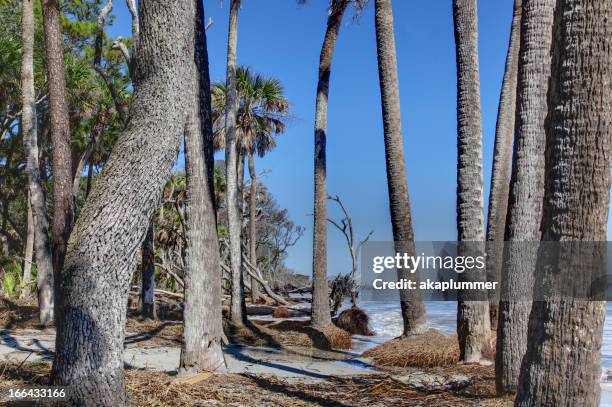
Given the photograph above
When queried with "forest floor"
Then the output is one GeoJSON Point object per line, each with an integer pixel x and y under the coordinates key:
{"type": "Point", "coordinates": [261, 375]}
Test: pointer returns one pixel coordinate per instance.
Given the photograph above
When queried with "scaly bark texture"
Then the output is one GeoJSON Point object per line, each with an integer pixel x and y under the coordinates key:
{"type": "Point", "coordinates": [413, 309]}
{"type": "Point", "coordinates": [147, 283]}
{"type": "Point", "coordinates": [237, 305]}
{"type": "Point", "coordinates": [502, 157]}
{"type": "Point", "coordinates": [473, 324]}
{"type": "Point", "coordinates": [63, 201]}
{"type": "Point", "coordinates": [113, 222]}
{"type": "Point", "coordinates": [255, 290]}
{"type": "Point", "coordinates": [202, 321]}
{"type": "Point", "coordinates": [320, 314]}
{"type": "Point", "coordinates": [526, 192]}
{"type": "Point", "coordinates": [26, 290]}
{"type": "Point", "coordinates": [42, 245]}
{"type": "Point", "coordinates": [562, 364]}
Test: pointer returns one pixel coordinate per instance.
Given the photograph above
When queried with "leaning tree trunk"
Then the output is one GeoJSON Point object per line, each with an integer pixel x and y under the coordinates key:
{"type": "Point", "coordinates": [321, 315]}
{"type": "Point", "coordinates": [113, 222]}
{"type": "Point", "coordinates": [473, 324]}
{"type": "Point", "coordinates": [502, 157]}
{"type": "Point", "coordinates": [255, 291]}
{"type": "Point", "coordinates": [42, 245]}
{"type": "Point", "coordinates": [562, 364]}
{"type": "Point", "coordinates": [147, 283]}
{"type": "Point", "coordinates": [26, 290]}
{"type": "Point", "coordinates": [202, 321]}
{"type": "Point", "coordinates": [526, 192]}
{"type": "Point", "coordinates": [237, 305]}
{"type": "Point", "coordinates": [413, 309]}
{"type": "Point", "coordinates": [63, 200]}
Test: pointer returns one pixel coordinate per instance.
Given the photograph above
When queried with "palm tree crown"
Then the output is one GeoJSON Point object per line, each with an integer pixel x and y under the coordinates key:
{"type": "Point", "coordinates": [263, 112]}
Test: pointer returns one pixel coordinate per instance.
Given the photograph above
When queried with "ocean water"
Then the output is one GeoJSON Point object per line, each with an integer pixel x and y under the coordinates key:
{"type": "Point", "coordinates": [386, 321]}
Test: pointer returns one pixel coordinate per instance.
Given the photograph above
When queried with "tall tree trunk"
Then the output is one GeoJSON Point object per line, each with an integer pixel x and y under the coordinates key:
{"type": "Point", "coordinates": [26, 290]}
{"type": "Point", "coordinates": [237, 305]}
{"type": "Point", "coordinates": [502, 157]}
{"type": "Point", "coordinates": [321, 315]}
{"type": "Point", "coordinates": [42, 245]}
{"type": "Point", "coordinates": [413, 309]}
{"type": "Point", "coordinates": [473, 324]}
{"type": "Point", "coordinates": [255, 291]}
{"type": "Point", "coordinates": [63, 201]}
{"type": "Point", "coordinates": [114, 220]}
{"type": "Point", "coordinates": [526, 191]}
{"type": "Point", "coordinates": [562, 364]}
{"type": "Point", "coordinates": [202, 322]}
{"type": "Point", "coordinates": [147, 282]}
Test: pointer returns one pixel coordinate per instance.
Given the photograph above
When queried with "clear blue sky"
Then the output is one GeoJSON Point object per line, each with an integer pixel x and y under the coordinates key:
{"type": "Point", "coordinates": [281, 39]}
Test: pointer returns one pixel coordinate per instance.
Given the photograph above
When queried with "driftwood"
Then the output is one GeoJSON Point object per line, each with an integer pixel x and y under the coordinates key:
{"type": "Point", "coordinates": [256, 274]}
{"type": "Point", "coordinates": [161, 292]}
{"type": "Point", "coordinates": [280, 300]}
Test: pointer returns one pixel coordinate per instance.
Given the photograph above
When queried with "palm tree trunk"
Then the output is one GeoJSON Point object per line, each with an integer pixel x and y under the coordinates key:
{"type": "Point", "coordinates": [26, 290]}
{"type": "Point", "coordinates": [147, 283]}
{"type": "Point", "coordinates": [114, 220]}
{"type": "Point", "coordinates": [63, 201]}
{"type": "Point", "coordinates": [526, 191]}
{"type": "Point", "coordinates": [202, 322]}
{"type": "Point", "coordinates": [562, 364]}
{"type": "Point", "coordinates": [42, 246]}
{"type": "Point", "coordinates": [473, 324]}
{"type": "Point", "coordinates": [321, 315]}
{"type": "Point", "coordinates": [413, 309]}
{"type": "Point", "coordinates": [237, 305]}
{"type": "Point", "coordinates": [255, 291]}
{"type": "Point", "coordinates": [502, 157]}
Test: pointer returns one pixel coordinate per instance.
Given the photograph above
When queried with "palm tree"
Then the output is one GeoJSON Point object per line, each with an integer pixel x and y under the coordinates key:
{"type": "Point", "coordinates": [63, 201]}
{"type": "Point", "coordinates": [261, 116]}
{"type": "Point", "coordinates": [502, 157]}
{"type": "Point", "coordinates": [237, 305]}
{"type": "Point", "coordinates": [114, 220]}
{"type": "Point", "coordinates": [202, 322]}
{"type": "Point", "coordinates": [473, 324]}
{"type": "Point", "coordinates": [42, 245]}
{"type": "Point", "coordinates": [526, 191]}
{"type": "Point", "coordinates": [321, 315]}
{"type": "Point", "coordinates": [413, 309]}
{"type": "Point", "coordinates": [562, 364]}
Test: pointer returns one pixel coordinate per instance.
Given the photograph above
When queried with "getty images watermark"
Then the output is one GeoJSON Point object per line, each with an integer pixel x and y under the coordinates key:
{"type": "Point", "coordinates": [442, 271]}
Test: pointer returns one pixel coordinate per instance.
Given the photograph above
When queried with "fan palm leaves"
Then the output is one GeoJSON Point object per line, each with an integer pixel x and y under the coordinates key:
{"type": "Point", "coordinates": [262, 112]}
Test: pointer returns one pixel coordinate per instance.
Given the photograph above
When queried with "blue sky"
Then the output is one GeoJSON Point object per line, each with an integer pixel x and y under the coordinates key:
{"type": "Point", "coordinates": [281, 39]}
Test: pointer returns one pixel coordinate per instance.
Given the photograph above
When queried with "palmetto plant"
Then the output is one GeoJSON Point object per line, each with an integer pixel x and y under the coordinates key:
{"type": "Point", "coordinates": [262, 112]}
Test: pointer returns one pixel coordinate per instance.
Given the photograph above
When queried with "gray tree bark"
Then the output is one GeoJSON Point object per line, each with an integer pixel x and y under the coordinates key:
{"type": "Point", "coordinates": [147, 283]}
{"type": "Point", "coordinates": [526, 191]}
{"type": "Point", "coordinates": [413, 309]}
{"type": "Point", "coordinates": [237, 305]}
{"type": "Point", "coordinates": [562, 364]}
{"type": "Point", "coordinates": [59, 125]}
{"type": "Point", "coordinates": [255, 290]}
{"type": "Point", "coordinates": [113, 222]}
{"type": "Point", "coordinates": [42, 245]}
{"type": "Point", "coordinates": [26, 290]}
{"type": "Point", "coordinates": [473, 324]}
{"type": "Point", "coordinates": [502, 158]}
{"type": "Point", "coordinates": [320, 314]}
{"type": "Point", "coordinates": [202, 317]}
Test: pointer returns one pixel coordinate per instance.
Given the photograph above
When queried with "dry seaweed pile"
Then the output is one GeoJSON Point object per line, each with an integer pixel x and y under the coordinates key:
{"type": "Point", "coordinates": [288, 333]}
{"type": "Point", "coordinates": [151, 388]}
{"type": "Point", "coordinates": [428, 349]}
